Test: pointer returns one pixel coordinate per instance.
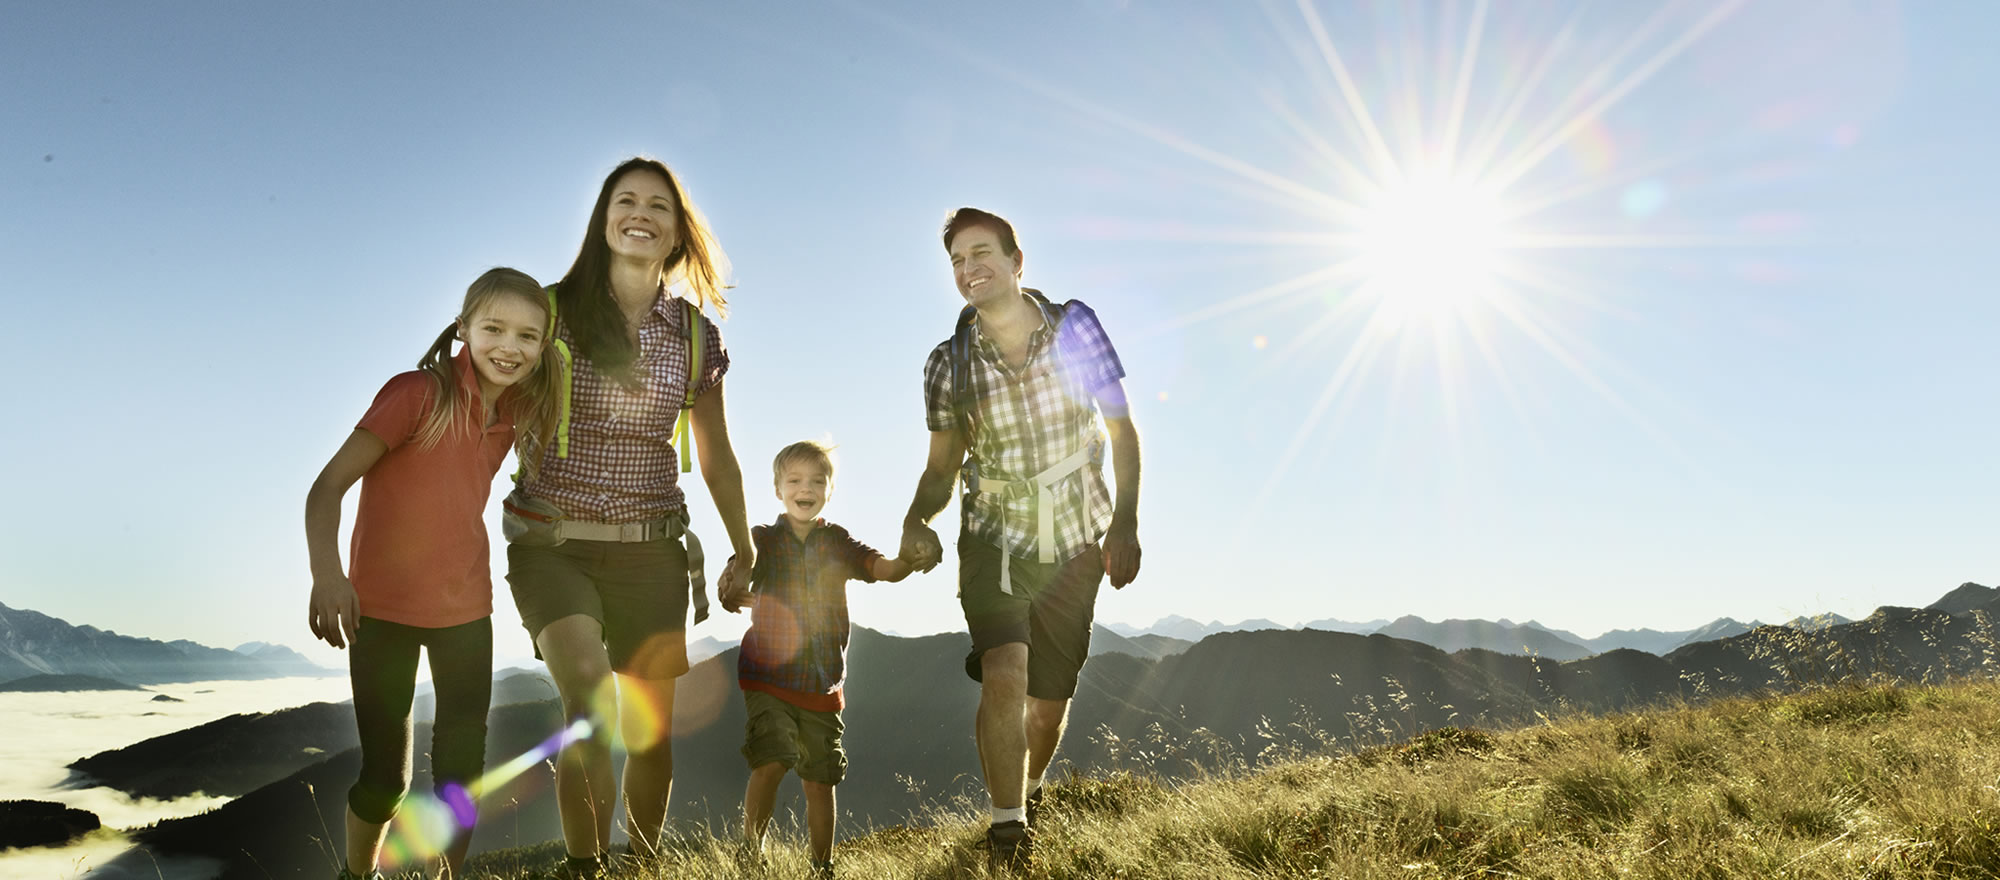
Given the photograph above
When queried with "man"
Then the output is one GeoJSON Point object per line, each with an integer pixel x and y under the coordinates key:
{"type": "Point", "coordinates": [1019, 388]}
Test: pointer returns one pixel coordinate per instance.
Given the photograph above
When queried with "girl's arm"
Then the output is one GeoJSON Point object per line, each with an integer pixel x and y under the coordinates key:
{"type": "Point", "coordinates": [725, 485]}
{"type": "Point", "coordinates": [334, 611]}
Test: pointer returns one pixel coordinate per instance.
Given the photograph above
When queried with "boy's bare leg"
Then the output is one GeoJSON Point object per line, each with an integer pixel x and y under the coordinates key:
{"type": "Point", "coordinates": [364, 843]}
{"type": "Point", "coordinates": [819, 819]}
{"type": "Point", "coordinates": [760, 797]}
{"type": "Point", "coordinates": [454, 856]}
{"type": "Point", "coordinates": [586, 791]}
{"type": "Point", "coordinates": [1003, 740]}
{"type": "Point", "coordinates": [1046, 719]}
{"type": "Point", "coordinates": [649, 758]}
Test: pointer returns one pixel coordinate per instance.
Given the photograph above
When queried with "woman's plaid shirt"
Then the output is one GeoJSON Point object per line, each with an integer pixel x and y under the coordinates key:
{"type": "Point", "coordinates": [1029, 420]}
{"type": "Point", "coordinates": [622, 466]}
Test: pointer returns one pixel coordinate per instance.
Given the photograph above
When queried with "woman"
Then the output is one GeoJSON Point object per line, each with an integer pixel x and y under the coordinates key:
{"type": "Point", "coordinates": [605, 596]}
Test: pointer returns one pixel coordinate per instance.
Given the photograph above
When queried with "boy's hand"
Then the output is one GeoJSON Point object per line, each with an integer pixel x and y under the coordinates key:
{"type": "Point", "coordinates": [334, 610]}
{"type": "Point", "coordinates": [735, 600]}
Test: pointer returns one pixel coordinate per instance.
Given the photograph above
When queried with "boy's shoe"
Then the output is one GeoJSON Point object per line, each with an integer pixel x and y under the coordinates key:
{"type": "Point", "coordinates": [1010, 844]}
{"type": "Point", "coordinates": [750, 853]}
{"type": "Point", "coordinates": [1035, 806]}
{"type": "Point", "coordinates": [823, 870]}
{"type": "Point", "coordinates": [585, 867]}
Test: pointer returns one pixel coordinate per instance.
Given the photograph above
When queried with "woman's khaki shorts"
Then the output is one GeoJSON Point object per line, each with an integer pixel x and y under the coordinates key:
{"type": "Point", "coordinates": [638, 592]}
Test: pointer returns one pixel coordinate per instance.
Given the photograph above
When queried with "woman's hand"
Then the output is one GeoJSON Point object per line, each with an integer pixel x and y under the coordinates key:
{"type": "Point", "coordinates": [733, 587]}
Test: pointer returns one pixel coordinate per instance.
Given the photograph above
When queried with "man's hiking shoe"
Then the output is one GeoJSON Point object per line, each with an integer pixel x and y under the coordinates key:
{"type": "Point", "coordinates": [823, 870]}
{"type": "Point", "coordinates": [350, 875]}
{"type": "Point", "coordinates": [1035, 806]}
{"type": "Point", "coordinates": [1011, 846]}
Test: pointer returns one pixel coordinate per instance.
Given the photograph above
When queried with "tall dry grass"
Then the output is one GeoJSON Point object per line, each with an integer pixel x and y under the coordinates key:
{"type": "Point", "coordinates": [1837, 781]}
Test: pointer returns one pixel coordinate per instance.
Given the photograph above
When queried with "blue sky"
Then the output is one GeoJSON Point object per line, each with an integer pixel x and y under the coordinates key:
{"type": "Point", "coordinates": [1736, 360]}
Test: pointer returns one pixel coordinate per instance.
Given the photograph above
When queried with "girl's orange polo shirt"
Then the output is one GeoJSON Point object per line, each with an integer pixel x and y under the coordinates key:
{"type": "Point", "coordinates": [419, 555]}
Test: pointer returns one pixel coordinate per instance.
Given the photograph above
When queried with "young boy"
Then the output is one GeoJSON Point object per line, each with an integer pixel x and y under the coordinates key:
{"type": "Point", "coordinates": [793, 662]}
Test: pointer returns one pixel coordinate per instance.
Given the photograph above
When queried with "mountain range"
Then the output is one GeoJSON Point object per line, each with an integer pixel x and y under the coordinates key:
{"type": "Point", "coordinates": [33, 643]}
{"type": "Point", "coordinates": [1503, 636]}
{"type": "Point", "coordinates": [1232, 697]}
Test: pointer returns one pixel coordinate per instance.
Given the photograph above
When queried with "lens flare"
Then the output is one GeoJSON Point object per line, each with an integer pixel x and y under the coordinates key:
{"type": "Point", "coordinates": [779, 637]}
{"type": "Point", "coordinates": [702, 695]}
{"type": "Point", "coordinates": [425, 824]}
{"type": "Point", "coordinates": [519, 764]}
{"type": "Point", "coordinates": [422, 828]}
{"type": "Point", "coordinates": [644, 715]}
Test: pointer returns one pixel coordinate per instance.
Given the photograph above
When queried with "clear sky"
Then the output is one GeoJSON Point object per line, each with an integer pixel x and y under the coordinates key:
{"type": "Point", "coordinates": [1607, 315]}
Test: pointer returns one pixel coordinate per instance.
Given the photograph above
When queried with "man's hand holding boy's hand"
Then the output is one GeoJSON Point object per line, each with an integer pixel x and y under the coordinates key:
{"type": "Point", "coordinates": [921, 547]}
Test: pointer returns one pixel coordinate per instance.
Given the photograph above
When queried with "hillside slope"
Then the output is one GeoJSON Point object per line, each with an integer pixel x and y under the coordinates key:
{"type": "Point", "coordinates": [1828, 784]}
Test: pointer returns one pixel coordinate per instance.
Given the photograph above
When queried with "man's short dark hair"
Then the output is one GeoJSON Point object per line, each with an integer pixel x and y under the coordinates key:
{"type": "Point", "coordinates": [966, 218]}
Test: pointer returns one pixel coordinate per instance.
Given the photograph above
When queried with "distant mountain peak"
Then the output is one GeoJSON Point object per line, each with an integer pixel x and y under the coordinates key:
{"type": "Point", "coordinates": [1967, 597]}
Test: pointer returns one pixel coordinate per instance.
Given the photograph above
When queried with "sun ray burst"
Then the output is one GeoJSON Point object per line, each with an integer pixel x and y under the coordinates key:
{"type": "Point", "coordinates": [1513, 170]}
{"type": "Point", "coordinates": [1433, 193]}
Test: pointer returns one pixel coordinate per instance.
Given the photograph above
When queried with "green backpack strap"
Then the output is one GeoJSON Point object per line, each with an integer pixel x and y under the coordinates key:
{"type": "Point", "coordinates": [681, 432]}
{"type": "Point", "coordinates": [567, 365]}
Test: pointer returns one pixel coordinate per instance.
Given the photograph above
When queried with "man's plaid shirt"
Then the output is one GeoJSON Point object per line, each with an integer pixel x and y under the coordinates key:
{"type": "Point", "coordinates": [1029, 420]}
{"type": "Point", "coordinates": [796, 647]}
{"type": "Point", "coordinates": [622, 465]}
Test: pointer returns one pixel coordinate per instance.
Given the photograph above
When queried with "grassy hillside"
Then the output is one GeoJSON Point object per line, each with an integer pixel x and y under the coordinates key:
{"type": "Point", "coordinates": [1837, 782]}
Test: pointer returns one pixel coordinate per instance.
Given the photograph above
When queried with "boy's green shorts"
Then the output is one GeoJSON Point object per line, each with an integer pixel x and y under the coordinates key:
{"type": "Point", "coordinates": [802, 740]}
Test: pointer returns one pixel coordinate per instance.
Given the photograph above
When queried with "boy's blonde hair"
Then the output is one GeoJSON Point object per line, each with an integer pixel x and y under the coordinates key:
{"type": "Point", "coordinates": [803, 452]}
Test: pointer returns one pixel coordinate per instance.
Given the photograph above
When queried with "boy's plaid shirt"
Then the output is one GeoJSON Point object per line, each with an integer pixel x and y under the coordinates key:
{"type": "Point", "coordinates": [797, 639]}
{"type": "Point", "coordinates": [1029, 420]}
{"type": "Point", "coordinates": [622, 465]}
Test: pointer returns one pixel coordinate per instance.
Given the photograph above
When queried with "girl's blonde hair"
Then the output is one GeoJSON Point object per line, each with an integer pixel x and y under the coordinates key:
{"type": "Point", "coordinates": [533, 400]}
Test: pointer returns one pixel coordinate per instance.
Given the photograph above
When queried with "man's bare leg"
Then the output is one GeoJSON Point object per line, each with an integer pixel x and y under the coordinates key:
{"type": "Point", "coordinates": [1046, 720]}
{"type": "Point", "coordinates": [1002, 723]}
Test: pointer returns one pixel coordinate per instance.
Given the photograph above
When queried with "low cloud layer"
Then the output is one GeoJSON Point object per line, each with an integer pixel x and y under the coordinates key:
{"type": "Point", "coordinates": [49, 730]}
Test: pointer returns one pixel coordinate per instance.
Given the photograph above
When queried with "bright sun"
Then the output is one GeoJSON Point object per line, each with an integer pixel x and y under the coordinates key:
{"type": "Point", "coordinates": [1430, 247]}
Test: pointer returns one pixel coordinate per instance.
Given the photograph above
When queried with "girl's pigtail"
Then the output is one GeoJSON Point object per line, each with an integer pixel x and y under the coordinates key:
{"type": "Point", "coordinates": [445, 403]}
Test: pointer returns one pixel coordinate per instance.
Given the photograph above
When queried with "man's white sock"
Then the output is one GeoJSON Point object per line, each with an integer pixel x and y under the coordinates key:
{"type": "Point", "coordinates": [1034, 784]}
{"type": "Point", "coordinates": [1010, 814]}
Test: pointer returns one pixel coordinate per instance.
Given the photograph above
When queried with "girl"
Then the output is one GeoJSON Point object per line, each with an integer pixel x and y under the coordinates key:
{"type": "Point", "coordinates": [425, 454]}
{"type": "Point", "coordinates": [608, 591]}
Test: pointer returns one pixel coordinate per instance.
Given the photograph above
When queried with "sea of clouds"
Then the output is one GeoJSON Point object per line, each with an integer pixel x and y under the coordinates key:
{"type": "Point", "coordinates": [46, 731]}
